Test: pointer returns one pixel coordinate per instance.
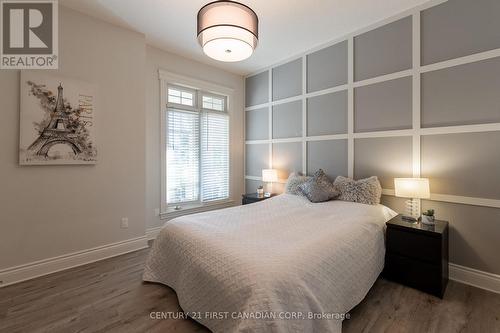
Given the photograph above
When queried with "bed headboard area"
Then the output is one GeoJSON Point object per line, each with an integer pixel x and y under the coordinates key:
{"type": "Point", "coordinates": [407, 97]}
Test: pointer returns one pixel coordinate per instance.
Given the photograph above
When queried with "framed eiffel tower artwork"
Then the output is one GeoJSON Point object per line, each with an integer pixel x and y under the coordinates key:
{"type": "Point", "coordinates": [57, 123]}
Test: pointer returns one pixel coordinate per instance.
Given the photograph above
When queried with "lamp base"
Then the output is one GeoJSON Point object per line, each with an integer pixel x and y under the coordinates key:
{"type": "Point", "coordinates": [412, 210]}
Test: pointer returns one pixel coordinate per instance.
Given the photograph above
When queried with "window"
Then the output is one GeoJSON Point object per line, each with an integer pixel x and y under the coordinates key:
{"type": "Point", "coordinates": [213, 103]}
{"type": "Point", "coordinates": [181, 96]}
{"type": "Point", "coordinates": [197, 147]}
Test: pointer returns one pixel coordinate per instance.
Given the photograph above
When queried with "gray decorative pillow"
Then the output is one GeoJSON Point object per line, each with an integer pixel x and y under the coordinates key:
{"type": "Point", "coordinates": [293, 183]}
{"type": "Point", "coordinates": [366, 191]}
{"type": "Point", "coordinates": [319, 188]}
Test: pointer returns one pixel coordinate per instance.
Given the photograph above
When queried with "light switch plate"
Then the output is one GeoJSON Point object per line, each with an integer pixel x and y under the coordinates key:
{"type": "Point", "coordinates": [124, 223]}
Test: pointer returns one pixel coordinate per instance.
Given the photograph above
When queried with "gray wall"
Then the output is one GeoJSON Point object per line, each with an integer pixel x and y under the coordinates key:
{"type": "Point", "coordinates": [371, 125]}
{"type": "Point", "coordinates": [383, 106]}
{"type": "Point", "coordinates": [384, 50]}
{"type": "Point", "coordinates": [49, 211]}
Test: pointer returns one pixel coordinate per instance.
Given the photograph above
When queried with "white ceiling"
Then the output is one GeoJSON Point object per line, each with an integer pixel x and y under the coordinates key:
{"type": "Point", "coordinates": [286, 27]}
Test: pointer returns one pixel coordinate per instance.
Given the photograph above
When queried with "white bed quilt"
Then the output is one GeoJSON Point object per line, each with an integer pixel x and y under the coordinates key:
{"type": "Point", "coordinates": [252, 268]}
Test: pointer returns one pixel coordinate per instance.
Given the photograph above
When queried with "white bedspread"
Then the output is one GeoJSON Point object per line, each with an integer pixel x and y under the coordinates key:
{"type": "Point", "coordinates": [271, 260]}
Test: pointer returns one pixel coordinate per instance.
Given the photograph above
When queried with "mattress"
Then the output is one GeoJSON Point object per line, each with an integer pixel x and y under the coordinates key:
{"type": "Point", "coordinates": [281, 265]}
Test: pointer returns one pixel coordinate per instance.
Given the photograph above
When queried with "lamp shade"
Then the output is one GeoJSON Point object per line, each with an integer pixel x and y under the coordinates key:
{"type": "Point", "coordinates": [417, 188]}
{"type": "Point", "coordinates": [269, 175]}
{"type": "Point", "coordinates": [227, 30]}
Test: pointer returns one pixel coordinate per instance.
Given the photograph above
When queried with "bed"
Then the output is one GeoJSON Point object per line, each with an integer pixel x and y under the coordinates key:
{"type": "Point", "coordinates": [281, 265]}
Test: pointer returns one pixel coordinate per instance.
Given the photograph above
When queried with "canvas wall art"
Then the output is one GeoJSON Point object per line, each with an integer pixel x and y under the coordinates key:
{"type": "Point", "coordinates": [57, 123]}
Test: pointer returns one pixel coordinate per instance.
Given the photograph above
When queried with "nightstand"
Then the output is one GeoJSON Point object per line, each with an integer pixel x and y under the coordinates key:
{"type": "Point", "coordinates": [417, 255]}
{"type": "Point", "coordinates": [253, 197]}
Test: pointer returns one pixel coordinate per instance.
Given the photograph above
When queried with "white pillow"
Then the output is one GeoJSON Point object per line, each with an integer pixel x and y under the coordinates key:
{"type": "Point", "coordinates": [367, 190]}
{"type": "Point", "coordinates": [293, 183]}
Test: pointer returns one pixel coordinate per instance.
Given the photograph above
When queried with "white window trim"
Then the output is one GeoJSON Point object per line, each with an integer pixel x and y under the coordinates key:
{"type": "Point", "coordinates": [168, 78]}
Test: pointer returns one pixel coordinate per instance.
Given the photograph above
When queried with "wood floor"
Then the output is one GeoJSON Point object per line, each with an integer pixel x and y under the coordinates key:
{"type": "Point", "coordinates": [109, 296]}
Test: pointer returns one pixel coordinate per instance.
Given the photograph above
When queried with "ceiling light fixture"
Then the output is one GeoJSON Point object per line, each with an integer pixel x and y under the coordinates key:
{"type": "Point", "coordinates": [227, 30]}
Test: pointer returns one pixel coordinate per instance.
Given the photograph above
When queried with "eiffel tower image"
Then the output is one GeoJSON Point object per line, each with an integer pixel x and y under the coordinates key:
{"type": "Point", "coordinates": [57, 131]}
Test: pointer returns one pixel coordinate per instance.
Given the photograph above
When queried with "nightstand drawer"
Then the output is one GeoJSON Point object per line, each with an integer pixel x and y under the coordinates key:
{"type": "Point", "coordinates": [253, 197]}
{"type": "Point", "coordinates": [246, 201]}
{"type": "Point", "coordinates": [414, 273]}
{"type": "Point", "coordinates": [414, 245]}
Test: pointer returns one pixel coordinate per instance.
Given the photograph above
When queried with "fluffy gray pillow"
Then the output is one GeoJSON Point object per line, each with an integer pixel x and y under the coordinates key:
{"type": "Point", "coordinates": [319, 188]}
{"type": "Point", "coordinates": [293, 183]}
{"type": "Point", "coordinates": [366, 191]}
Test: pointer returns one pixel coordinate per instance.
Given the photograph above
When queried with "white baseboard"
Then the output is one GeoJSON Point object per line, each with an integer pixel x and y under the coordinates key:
{"type": "Point", "coordinates": [43, 267]}
{"type": "Point", "coordinates": [152, 233]}
{"type": "Point", "coordinates": [474, 277]}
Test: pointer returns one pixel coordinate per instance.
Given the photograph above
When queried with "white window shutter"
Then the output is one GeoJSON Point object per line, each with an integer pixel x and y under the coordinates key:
{"type": "Point", "coordinates": [183, 152]}
{"type": "Point", "coordinates": [214, 156]}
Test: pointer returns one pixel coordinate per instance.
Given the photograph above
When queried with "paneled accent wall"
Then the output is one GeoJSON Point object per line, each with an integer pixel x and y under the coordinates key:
{"type": "Point", "coordinates": [415, 95]}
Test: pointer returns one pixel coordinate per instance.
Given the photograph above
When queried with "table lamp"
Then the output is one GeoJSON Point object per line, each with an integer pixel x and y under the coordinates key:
{"type": "Point", "coordinates": [269, 176]}
{"type": "Point", "coordinates": [414, 189]}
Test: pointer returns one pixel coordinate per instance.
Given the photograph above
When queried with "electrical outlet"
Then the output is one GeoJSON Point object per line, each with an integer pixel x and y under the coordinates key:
{"type": "Point", "coordinates": [157, 211]}
{"type": "Point", "coordinates": [124, 223]}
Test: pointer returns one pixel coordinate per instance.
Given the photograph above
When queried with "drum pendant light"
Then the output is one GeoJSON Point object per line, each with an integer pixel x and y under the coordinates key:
{"type": "Point", "coordinates": [227, 30]}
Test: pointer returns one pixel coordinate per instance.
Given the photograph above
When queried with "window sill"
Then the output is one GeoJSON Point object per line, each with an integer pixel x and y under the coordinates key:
{"type": "Point", "coordinates": [195, 208]}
